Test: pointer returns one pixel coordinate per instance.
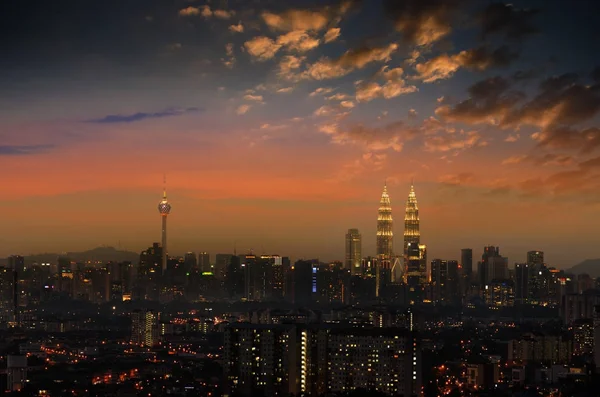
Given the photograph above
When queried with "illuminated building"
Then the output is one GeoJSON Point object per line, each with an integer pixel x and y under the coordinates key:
{"type": "Point", "coordinates": [261, 359]}
{"type": "Point", "coordinates": [499, 293]}
{"type": "Point", "coordinates": [533, 347]}
{"type": "Point", "coordinates": [144, 328]}
{"type": "Point", "coordinates": [164, 208]}
{"type": "Point", "coordinates": [385, 228]}
{"type": "Point", "coordinates": [384, 359]}
{"type": "Point", "coordinates": [412, 235]}
{"type": "Point", "coordinates": [583, 336]}
{"type": "Point", "coordinates": [353, 251]}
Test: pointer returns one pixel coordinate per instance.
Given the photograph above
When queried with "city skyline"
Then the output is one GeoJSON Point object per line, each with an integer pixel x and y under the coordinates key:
{"type": "Point", "coordinates": [278, 132]}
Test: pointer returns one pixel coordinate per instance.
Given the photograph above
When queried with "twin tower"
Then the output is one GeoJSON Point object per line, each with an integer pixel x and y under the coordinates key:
{"type": "Point", "coordinates": [414, 254]}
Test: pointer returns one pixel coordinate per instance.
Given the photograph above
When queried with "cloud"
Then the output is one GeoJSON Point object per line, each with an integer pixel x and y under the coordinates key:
{"type": "Point", "coordinates": [230, 60]}
{"type": "Point", "coordinates": [393, 87]}
{"type": "Point", "coordinates": [561, 104]}
{"type": "Point", "coordinates": [347, 104]}
{"type": "Point", "coordinates": [262, 47]}
{"type": "Point", "coordinates": [505, 19]}
{"type": "Point", "coordinates": [491, 100]}
{"type": "Point", "coordinates": [321, 91]}
{"type": "Point", "coordinates": [223, 14]}
{"type": "Point", "coordinates": [349, 61]}
{"type": "Point", "coordinates": [459, 179]}
{"type": "Point", "coordinates": [285, 90]}
{"type": "Point", "coordinates": [373, 139]}
{"type": "Point", "coordinates": [331, 35]}
{"type": "Point", "coordinates": [255, 98]}
{"type": "Point", "coordinates": [131, 118]}
{"type": "Point", "coordinates": [453, 141]}
{"type": "Point", "coordinates": [423, 22]}
{"type": "Point", "coordinates": [23, 150]}
{"type": "Point", "coordinates": [242, 109]}
{"type": "Point", "coordinates": [239, 28]}
{"type": "Point", "coordinates": [324, 111]}
{"type": "Point", "coordinates": [513, 160]}
{"type": "Point", "coordinates": [265, 48]}
{"type": "Point", "coordinates": [444, 66]}
{"type": "Point", "coordinates": [189, 11]}
{"type": "Point", "coordinates": [512, 138]}
{"type": "Point", "coordinates": [412, 113]}
{"type": "Point", "coordinates": [586, 140]}
{"type": "Point", "coordinates": [296, 20]}
{"type": "Point", "coordinates": [288, 64]}
{"type": "Point", "coordinates": [298, 40]}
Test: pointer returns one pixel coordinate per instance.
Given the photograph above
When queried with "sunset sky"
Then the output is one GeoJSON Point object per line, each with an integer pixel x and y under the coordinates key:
{"type": "Point", "coordinates": [278, 122]}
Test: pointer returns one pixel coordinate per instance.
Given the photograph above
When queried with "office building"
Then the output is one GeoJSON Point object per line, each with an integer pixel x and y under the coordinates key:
{"type": "Point", "coordinates": [353, 251]}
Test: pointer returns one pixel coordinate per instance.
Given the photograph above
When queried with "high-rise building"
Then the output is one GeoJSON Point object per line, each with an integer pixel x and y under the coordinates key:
{"type": "Point", "coordinates": [16, 372]}
{"type": "Point", "coordinates": [164, 208]}
{"type": "Point", "coordinates": [466, 260]}
{"type": "Point", "coordinates": [521, 282]}
{"type": "Point", "coordinates": [412, 233]}
{"type": "Point", "coordinates": [16, 262]}
{"type": "Point", "coordinates": [190, 261]}
{"type": "Point", "coordinates": [204, 262]}
{"type": "Point", "coordinates": [385, 228]}
{"type": "Point", "coordinates": [353, 251]}
{"type": "Point", "coordinates": [444, 281]}
{"type": "Point", "coordinates": [535, 258]}
{"type": "Point", "coordinates": [222, 262]}
{"type": "Point", "coordinates": [493, 266]}
{"type": "Point", "coordinates": [597, 337]}
{"type": "Point", "coordinates": [583, 336]}
{"type": "Point", "coordinates": [144, 327]}
{"type": "Point", "coordinates": [384, 359]}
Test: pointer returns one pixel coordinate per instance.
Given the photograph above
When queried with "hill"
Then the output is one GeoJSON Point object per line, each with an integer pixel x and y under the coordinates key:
{"type": "Point", "coordinates": [100, 254]}
{"type": "Point", "coordinates": [588, 266]}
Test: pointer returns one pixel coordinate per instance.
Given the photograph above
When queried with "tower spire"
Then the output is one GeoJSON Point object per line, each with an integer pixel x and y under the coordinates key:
{"type": "Point", "coordinates": [164, 186]}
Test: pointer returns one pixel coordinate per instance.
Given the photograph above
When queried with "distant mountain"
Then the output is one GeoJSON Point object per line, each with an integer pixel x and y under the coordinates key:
{"type": "Point", "coordinates": [588, 266]}
{"type": "Point", "coordinates": [100, 254]}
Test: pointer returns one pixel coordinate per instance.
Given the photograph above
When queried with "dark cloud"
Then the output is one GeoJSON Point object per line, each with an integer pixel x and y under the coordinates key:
{"type": "Point", "coordinates": [423, 22]}
{"type": "Point", "coordinates": [489, 88]}
{"type": "Point", "coordinates": [15, 150]}
{"type": "Point", "coordinates": [130, 118]}
{"type": "Point", "coordinates": [524, 75]}
{"type": "Point", "coordinates": [481, 58]}
{"type": "Point", "coordinates": [512, 22]}
{"type": "Point", "coordinates": [491, 99]}
{"type": "Point", "coordinates": [586, 140]}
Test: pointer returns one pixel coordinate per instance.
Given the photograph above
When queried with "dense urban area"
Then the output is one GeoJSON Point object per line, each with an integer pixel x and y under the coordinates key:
{"type": "Point", "coordinates": [262, 325]}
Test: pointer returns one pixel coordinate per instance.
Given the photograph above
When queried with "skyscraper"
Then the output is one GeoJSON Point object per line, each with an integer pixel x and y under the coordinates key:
{"type": "Point", "coordinates": [415, 253]}
{"type": "Point", "coordinates": [466, 259]}
{"type": "Point", "coordinates": [164, 208]}
{"type": "Point", "coordinates": [385, 228]}
{"type": "Point", "coordinates": [353, 251]}
{"type": "Point", "coordinates": [411, 221]}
